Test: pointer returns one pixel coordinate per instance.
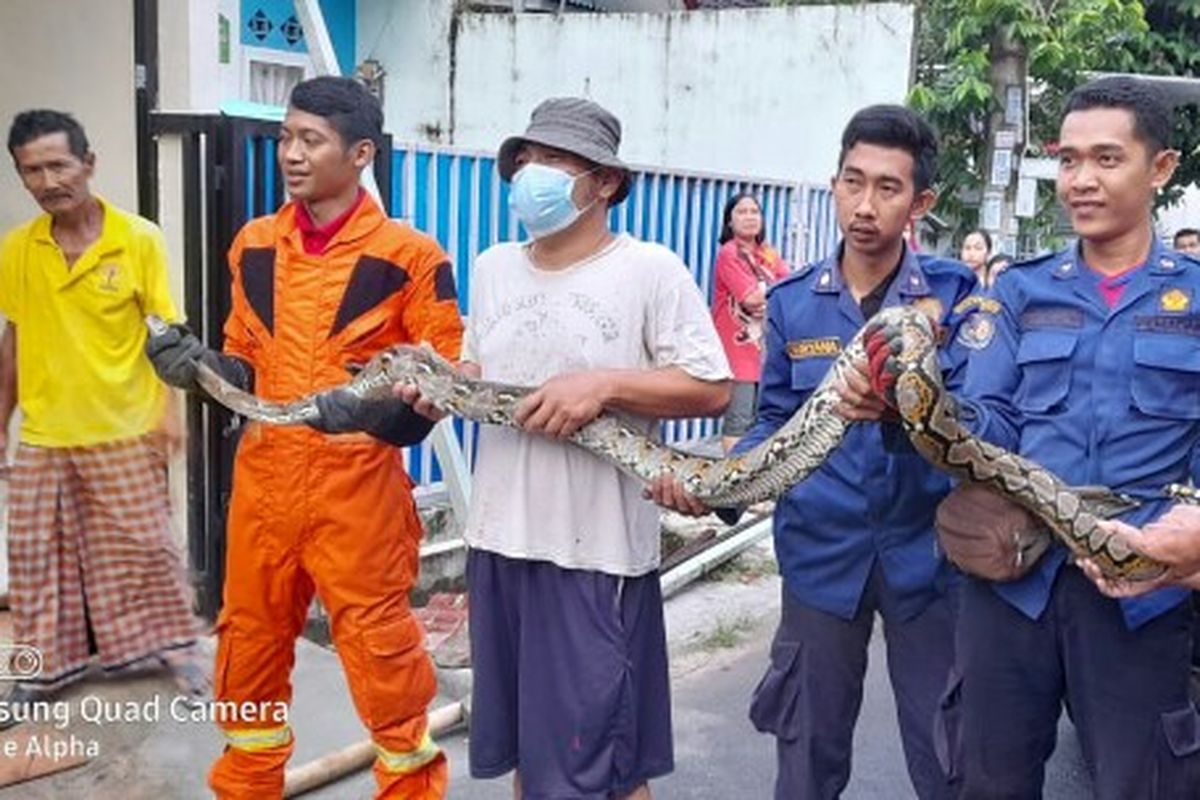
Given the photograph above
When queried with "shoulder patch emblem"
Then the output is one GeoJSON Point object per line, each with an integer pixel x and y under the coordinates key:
{"type": "Point", "coordinates": [814, 348]}
{"type": "Point", "coordinates": [977, 332]}
{"type": "Point", "coordinates": [984, 304]}
{"type": "Point", "coordinates": [1175, 301]}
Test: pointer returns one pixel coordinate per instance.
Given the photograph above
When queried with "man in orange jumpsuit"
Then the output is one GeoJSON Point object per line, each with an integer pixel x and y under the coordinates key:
{"type": "Point", "coordinates": [325, 283]}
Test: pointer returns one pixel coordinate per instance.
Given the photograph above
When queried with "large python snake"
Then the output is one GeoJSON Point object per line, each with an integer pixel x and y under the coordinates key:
{"type": "Point", "coordinates": [927, 412]}
{"type": "Point", "coordinates": [929, 415]}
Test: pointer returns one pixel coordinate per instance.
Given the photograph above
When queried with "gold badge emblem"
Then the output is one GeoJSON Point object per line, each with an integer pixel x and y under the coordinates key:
{"type": "Point", "coordinates": [1175, 300]}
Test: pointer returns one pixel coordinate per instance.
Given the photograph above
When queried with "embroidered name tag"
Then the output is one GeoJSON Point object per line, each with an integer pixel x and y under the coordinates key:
{"type": "Point", "coordinates": [1184, 325]}
{"type": "Point", "coordinates": [1051, 317]}
{"type": "Point", "coordinates": [814, 348]}
{"type": "Point", "coordinates": [984, 304]}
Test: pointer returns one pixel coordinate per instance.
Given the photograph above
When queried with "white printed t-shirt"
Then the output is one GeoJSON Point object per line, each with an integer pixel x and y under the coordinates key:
{"type": "Point", "coordinates": [632, 306]}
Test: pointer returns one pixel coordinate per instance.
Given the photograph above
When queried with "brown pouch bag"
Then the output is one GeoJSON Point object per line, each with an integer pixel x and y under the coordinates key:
{"type": "Point", "coordinates": [988, 535]}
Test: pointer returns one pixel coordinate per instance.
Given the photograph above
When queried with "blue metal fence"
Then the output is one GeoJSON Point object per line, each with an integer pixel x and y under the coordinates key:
{"type": "Point", "coordinates": [457, 197]}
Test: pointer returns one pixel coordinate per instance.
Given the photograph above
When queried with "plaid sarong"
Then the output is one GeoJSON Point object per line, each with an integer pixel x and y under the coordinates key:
{"type": "Point", "coordinates": [89, 545]}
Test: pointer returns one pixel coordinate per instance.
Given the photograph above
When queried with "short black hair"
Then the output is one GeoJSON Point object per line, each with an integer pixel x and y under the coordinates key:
{"type": "Point", "coordinates": [1153, 117]}
{"type": "Point", "coordinates": [727, 218]}
{"type": "Point", "coordinates": [1182, 232]}
{"type": "Point", "coordinates": [39, 122]}
{"type": "Point", "coordinates": [898, 127]}
{"type": "Point", "coordinates": [987, 237]}
{"type": "Point", "coordinates": [353, 111]}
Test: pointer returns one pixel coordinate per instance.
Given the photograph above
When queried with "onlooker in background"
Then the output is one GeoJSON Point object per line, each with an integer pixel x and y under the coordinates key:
{"type": "Point", "coordinates": [995, 265]}
{"type": "Point", "coordinates": [1187, 240]}
{"type": "Point", "coordinates": [912, 239]}
{"type": "Point", "coordinates": [746, 266]}
{"type": "Point", "coordinates": [92, 563]}
{"type": "Point", "coordinates": [976, 249]}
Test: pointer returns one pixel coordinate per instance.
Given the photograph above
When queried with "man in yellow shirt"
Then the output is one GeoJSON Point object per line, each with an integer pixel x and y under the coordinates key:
{"type": "Point", "coordinates": [93, 568]}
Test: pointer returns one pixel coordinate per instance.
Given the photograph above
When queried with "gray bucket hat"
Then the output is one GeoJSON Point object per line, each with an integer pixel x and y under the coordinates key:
{"type": "Point", "coordinates": [575, 125]}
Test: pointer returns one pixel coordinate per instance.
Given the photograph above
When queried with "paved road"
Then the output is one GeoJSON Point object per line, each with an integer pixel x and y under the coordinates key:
{"type": "Point", "coordinates": [719, 755]}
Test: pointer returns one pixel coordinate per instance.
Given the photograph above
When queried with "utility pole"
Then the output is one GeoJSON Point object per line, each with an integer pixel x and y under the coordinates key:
{"type": "Point", "coordinates": [998, 213]}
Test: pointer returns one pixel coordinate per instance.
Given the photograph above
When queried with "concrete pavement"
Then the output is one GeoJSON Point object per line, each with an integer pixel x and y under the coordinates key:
{"type": "Point", "coordinates": [719, 632]}
{"type": "Point", "coordinates": [719, 755]}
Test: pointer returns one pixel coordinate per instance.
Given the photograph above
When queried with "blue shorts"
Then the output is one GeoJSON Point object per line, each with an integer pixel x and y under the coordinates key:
{"type": "Point", "coordinates": [571, 686]}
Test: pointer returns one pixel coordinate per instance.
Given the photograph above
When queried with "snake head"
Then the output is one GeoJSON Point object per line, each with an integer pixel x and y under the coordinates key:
{"type": "Point", "coordinates": [156, 325]}
{"type": "Point", "coordinates": [883, 342]}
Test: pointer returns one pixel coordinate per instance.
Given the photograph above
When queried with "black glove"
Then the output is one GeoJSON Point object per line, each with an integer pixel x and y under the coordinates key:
{"type": "Point", "coordinates": [388, 419]}
{"type": "Point", "coordinates": [175, 352]}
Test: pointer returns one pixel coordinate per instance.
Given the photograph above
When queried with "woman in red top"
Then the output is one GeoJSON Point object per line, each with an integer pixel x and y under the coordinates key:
{"type": "Point", "coordinates": [745, 268]}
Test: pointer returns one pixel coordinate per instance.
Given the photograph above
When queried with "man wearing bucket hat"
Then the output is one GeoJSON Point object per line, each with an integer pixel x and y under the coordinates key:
{"type": "Point", "coordinates": [566, 623]}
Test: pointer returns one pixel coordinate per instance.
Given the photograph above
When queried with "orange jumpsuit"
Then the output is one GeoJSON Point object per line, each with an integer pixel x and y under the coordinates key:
{"type": "Point", "coordinates": [330, 513]}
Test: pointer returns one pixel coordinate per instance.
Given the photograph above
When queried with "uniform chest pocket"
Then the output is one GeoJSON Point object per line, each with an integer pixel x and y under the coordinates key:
{"type": "Point", "coordinates": [1166, 376]}
{"type": "Point", "coordinates": [807, 373]}
{"type": "Point", "coordinates": [1044, 358]}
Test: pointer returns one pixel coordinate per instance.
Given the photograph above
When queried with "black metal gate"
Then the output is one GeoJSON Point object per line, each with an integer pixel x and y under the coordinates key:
{"type": "Point", "coordinates": [229, 176]}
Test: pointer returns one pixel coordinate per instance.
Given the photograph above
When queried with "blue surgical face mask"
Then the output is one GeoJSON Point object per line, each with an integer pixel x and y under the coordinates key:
{"type": "Point", "coordinates": [541, 199]}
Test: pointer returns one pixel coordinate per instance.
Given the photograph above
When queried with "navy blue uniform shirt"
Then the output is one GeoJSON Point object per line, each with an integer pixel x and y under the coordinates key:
{"type": "Point", "coordinates": [1099, 396]}
{"type": "Point", "coordinates": [875, 497]}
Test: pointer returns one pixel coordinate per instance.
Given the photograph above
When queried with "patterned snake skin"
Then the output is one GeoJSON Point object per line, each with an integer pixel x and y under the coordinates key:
{"type": "Point", "coordinates": [929, 415]}
{"type": "Point", "coordinates": [767, 471]}
{"type": "Point", "coordinates": [927, 411]}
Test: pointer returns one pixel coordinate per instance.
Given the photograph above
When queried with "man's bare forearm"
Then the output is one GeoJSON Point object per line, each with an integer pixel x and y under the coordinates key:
{"type": "Point", "coordinates": [8, 374]}
{"type": "Point", "coordinates": [667, 392]}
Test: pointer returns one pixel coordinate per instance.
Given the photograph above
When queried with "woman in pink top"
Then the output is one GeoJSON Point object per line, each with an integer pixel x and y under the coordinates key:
{"type": "Point", "coordinates": [745, 268]}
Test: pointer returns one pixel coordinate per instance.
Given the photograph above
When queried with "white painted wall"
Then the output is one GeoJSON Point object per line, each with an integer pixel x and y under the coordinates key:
{"type": "Point", "coordinates": [412, 40]}
{"type": "Point", "coordinates": [188, 72]}
{"type": "Point", "coordinates": [1184, 214]}
{"type": "Point", "coordinates": [76, 57]}
{"type": "Point", "coordinates": [761, 92]}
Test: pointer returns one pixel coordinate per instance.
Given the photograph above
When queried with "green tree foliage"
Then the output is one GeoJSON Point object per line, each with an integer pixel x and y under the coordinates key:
{"type": "Point", "coordinates": [1062, 40]}
{"type": "Point", "coordinates": [1172, 47]}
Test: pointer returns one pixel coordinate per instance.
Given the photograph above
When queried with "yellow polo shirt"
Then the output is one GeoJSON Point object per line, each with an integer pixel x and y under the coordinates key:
{"type": "Point", "coordinates": [82, 374]}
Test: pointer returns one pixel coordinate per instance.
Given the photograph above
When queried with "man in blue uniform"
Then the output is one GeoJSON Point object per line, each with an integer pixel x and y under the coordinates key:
{"type": "Point", "coordinates": [856, 538]}
{"type": "Point", "coordinates": [1089, 365]}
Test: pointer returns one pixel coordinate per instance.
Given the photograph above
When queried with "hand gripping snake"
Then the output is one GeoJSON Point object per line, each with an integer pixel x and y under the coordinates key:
{"type": "Point", "coordinates": [927, 413]}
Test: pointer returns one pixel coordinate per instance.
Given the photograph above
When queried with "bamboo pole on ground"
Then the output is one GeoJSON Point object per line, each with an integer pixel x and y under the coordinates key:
{"type": "Point", "coordinates": [332, 766]}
